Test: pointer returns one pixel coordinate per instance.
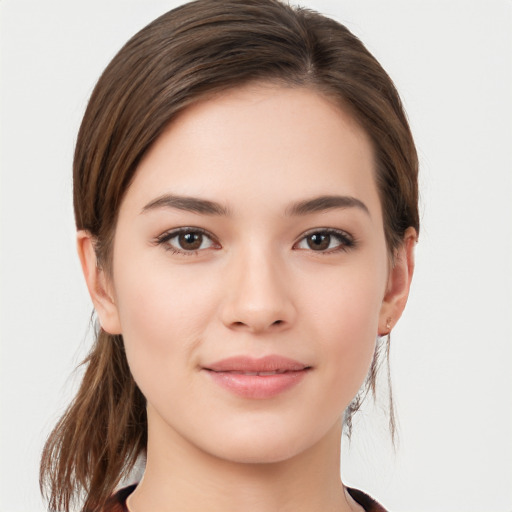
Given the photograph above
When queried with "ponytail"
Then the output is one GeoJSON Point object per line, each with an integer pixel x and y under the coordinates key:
{"type": "Point", "coordinates": [101, 434]}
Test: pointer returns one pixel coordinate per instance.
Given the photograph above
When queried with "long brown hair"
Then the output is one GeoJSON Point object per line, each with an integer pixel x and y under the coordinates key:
{"type": "Point", "coordinates": [201, 48]}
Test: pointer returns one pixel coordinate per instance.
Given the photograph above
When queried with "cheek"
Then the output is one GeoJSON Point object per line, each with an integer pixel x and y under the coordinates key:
{"type": "Point", "coordinates": [163, 316]}
{"type": "Point", "coordinates": [346, 318]}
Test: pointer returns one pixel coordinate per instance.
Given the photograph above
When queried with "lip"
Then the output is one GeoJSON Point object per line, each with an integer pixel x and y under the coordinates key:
{"type": "Point", "coordinates": [257, 378]}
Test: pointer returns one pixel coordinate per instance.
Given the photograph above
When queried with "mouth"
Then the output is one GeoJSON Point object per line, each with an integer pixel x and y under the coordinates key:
{"type": "Point", "coordinates": [239, 372]}
{"type": "Point", "coordinates": [271, 365]}
{"type": "Point", "coordinates": [257, 378]}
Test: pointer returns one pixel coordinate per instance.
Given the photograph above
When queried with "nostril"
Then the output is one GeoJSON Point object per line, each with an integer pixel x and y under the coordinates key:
{"type": "Point", "coordinates": [278, 322]}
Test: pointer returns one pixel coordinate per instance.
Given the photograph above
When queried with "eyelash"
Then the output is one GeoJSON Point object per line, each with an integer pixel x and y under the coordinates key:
{"type": "Point", "coordinates": [346, 241]}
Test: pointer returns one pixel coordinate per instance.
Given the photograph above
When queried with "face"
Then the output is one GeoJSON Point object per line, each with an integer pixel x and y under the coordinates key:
{"type": "Point", "coordinates": [250, 273]}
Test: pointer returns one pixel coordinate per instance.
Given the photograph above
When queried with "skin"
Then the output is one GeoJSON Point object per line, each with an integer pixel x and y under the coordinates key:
{"type": "Point", "coordinates": [254, 287]}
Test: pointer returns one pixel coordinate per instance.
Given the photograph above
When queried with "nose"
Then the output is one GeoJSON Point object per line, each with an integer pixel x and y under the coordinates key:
{"type": "Point", "coordinates": [258, 295]}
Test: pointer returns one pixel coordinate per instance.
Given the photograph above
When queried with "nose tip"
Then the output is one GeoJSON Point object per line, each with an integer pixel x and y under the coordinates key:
{"type": "Point", "coordinates": [258, 299]}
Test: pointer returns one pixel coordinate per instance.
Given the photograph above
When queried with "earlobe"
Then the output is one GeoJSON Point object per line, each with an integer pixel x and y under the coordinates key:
{"type": "Point", "coordinates": [98, 284]}
{"type": "Point", "coordinates": [399, 283]}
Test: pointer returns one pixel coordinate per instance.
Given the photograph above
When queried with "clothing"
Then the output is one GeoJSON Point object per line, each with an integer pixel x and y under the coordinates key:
{"type": "Point", "coordinates": [118, 502]}
{"type": "Point", "coordinates": [368, 503]}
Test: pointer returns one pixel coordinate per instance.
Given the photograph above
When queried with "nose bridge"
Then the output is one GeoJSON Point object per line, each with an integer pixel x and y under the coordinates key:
{"type": "Point", "coordinates": [258, 295]}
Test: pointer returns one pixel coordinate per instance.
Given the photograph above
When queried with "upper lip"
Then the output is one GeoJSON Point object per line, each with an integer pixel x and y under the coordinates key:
{"type": "Point", "coordinates": [271, 363]}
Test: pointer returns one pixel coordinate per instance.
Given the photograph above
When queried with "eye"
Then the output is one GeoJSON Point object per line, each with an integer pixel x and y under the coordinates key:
{"type": "Point", "coordinates": [326, 240]}
{"type": "Point", "coordinates": [186, 241]}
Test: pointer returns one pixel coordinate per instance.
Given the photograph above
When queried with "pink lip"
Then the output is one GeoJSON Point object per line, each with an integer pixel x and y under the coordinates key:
{"type": "Point", "coordinates": [259, 378]}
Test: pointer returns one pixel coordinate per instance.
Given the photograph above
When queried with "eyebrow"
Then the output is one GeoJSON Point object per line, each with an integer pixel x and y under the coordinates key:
{"type": "Point", "coordinates": [323, 203]}
{"type": "Point", "coordinates": [207, 207]}
{"type": "Point", "coordinates": [187, 203]}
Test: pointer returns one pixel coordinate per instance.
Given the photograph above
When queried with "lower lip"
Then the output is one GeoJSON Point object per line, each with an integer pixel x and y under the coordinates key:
{"type": "Point", "coordinates": [258, 386]}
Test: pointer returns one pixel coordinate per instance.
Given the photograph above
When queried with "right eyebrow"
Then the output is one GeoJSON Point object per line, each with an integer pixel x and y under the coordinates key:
{"type": "Point", "coordinates": [187, 203]}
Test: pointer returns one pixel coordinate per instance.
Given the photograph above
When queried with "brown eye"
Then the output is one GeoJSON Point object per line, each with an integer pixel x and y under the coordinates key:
{"type": "Point", "coordinates": [318, 241]}
{"type": "Point", "coordinates": [187, 241]}
{"type": "Point", "coordinates": [326, 241]}
{"type": "Point", "coordinates": [190, 241]}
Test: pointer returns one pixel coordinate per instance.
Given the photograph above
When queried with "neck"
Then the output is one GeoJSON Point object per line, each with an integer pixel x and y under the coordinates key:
{"type": "Point", "coordinates": [180, 476]}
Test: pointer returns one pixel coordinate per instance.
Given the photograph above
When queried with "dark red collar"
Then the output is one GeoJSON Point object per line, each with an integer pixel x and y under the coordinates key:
{"type": "Point", "coordinates": [117, 503]}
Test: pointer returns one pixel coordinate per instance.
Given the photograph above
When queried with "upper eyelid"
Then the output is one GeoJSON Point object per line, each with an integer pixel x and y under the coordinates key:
{"type": "Point", "coordinates": [329, 231]}
{"type": "Point", "coordinates": [325, 230]}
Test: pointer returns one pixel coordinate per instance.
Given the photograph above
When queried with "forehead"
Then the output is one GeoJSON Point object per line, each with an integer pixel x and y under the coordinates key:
{"type": "Point", "coordinates": [260, 142]}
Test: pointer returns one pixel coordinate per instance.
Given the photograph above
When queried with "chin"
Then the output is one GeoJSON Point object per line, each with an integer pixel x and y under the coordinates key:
{"type": "Point", "coordinates": [263, 446]}
{"type": "Point", "coordinates": [253, 453]}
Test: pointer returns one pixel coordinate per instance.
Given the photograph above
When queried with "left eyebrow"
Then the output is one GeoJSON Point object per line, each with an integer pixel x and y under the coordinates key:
{"type": "Point", "coordinates": [322, 203]}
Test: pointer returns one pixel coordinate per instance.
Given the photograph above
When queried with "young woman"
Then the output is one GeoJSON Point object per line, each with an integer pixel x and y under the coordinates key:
{"type": "Point", "coordinates": [245, 191]}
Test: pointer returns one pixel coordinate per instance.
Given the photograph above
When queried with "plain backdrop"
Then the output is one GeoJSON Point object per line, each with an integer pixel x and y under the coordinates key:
{"type": "Point", "coordinates": [451, 358]}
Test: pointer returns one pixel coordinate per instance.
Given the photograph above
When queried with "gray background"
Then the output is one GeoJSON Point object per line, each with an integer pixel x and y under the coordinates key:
{"type": "Point", "coordinates": [451, 353]}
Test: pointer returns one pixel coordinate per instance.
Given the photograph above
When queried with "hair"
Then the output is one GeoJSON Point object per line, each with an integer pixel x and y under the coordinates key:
{"type": "Point", "coordinates": [200, 49]}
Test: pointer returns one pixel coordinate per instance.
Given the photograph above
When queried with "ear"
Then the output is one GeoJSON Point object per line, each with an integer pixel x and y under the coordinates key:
{"type": "Point", "coordinates": [98, 284]}
{"type": "Point", "coordinates": [399, 282]}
